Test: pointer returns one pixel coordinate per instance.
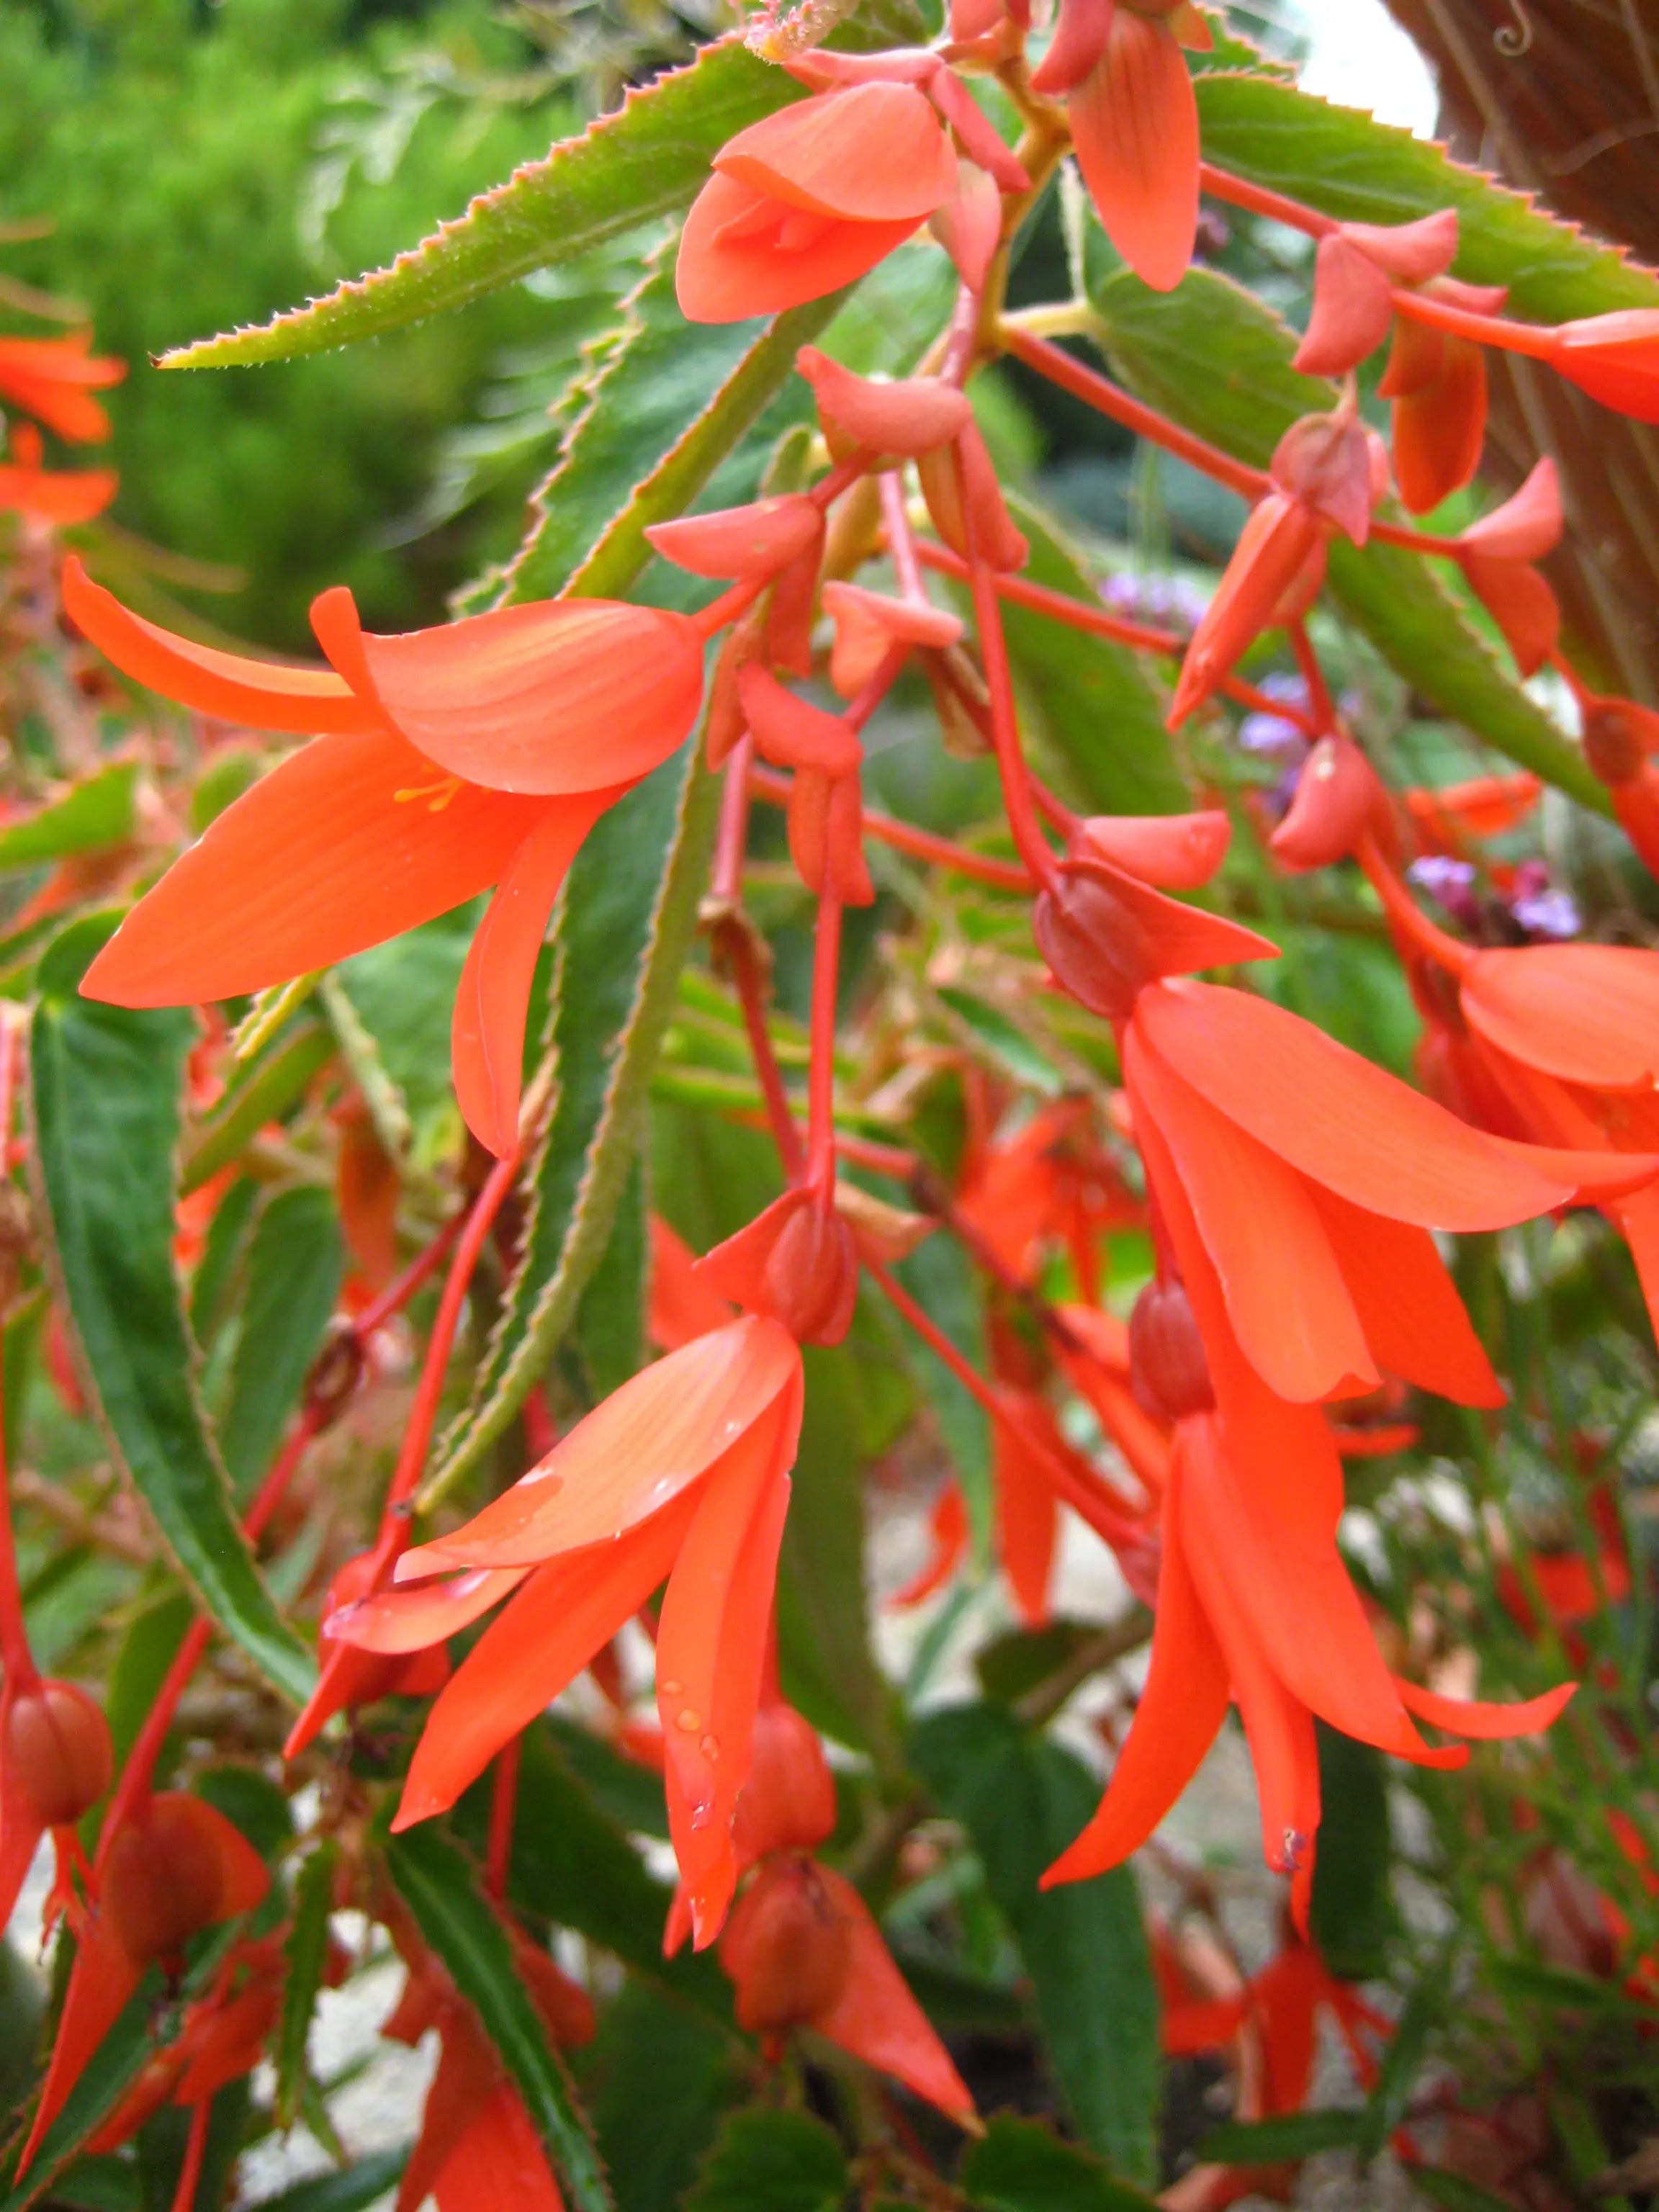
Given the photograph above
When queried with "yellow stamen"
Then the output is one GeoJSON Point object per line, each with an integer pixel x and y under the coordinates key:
{"type": "Point", "coordinates": [437, 794]}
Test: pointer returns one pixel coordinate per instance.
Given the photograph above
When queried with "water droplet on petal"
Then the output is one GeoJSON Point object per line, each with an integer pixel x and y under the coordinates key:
{"type": "Point", "coordinates": [710, 1747]}
{"type": "Point", "coordinates": [689, 1722]}
{"type": "Point", "coordinates": [672, 1689]}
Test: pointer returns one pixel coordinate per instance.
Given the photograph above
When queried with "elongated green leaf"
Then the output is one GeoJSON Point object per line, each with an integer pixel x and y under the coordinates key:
{"type": "Point", "coordinates": [769, 2161]}
{"type": "Point", "coordinates": [1020, 2165]}
{"type": "Point", "coordinates": [295, 1264]}
{"type": "Point", "coordinates": [141, 1664]}
{"type": "Point", "coordinates": [1353, 1914]}
{"type": "Point", "coordinates": [109, 2073]}
{"type": "Point", "coordinates": [97, 813]}
{"type": "Point", "coordinates": [105, 1086]}
{"type": "Point", "coordinates": [1270, 2142]}
{"type": "Point", "coordinates": [100, 2185]}
{"type": "Point", "coordinates": [1218, 362]}
{"type": "Point", "coordinates": [350, 2191]}
{"type": "Point", "coordinates": [609, 1331]}
{"type": "Point", "coordinates": [1093, 702]}
{"type": "Point", "coordinates": [645, 160]}
{"type": "Point", "coordinates": [391, 1009]}
{"type": "Point", "coordinates": [656, 2079]}
{"type": "Point", "coordinates": [629, 910]}
{"type": "Point", "coordinates": [436, 1883]}
{"type": "Point", "coordinates": [940, 1276]}
{"type": "Point", "coordinates": [1454, 2193]}
{"type": "Point", "coordinates": [1022, 1800]}
{"type": "Point", "coordinates": [1351, 165]}
{"type": "Point", "coordinates": [274, 1085]}
{"type": "Point", "coordinates": [305, 1951]}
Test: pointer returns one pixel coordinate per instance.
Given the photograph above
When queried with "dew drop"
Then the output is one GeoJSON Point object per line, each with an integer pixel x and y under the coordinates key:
{"type": "Point", "coordinates": [710, 1747]}
{"type": "Point", "coordinates": [689, 1722]}
{"type": "Point", "coordinates": [672, 1689]}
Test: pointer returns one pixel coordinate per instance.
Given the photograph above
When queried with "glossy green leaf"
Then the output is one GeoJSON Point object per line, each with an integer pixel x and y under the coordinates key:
{"type": "Point", "coordinates": [647, 161]}
{"type": "Point", "coordinates": [269, 1089]}
{"type": "Point", "coordinates": [1022, 1800]}
{"type": "Point", "coordinates": [1218, 362]}
{"type": "Point", "coordinates": [656, 2079]}
{"type": "Point", "coordinates": [822, 1608]}
{"type": "Point", "coordinates": [296, 1262]}
{"type": "Point", "coordinates": [1021, 2165]}
{"type": "Point", "coordinates": [350, 2191]}
{"type": "Point", "coordinates": [100, 2185]}
{"type": "Point", "coordinates": [631, 1796]}
{"type": "Point", "coordinates": [1351, 1915]}
{"type": "Point", "coordinates": [626, 922]}
{"type": "Point", "coordinates": [1347, 164]}
{"type": "Point", "coordinates": [153, 1635]}
{"type": "Point", "coordinates": [106, 1083]}
{"type": "Point", "coordinates": [1093, 703]}
{"type": "Point", "coordinates": [772, 2161]}
{"type": "Point", "coordinates": [214, 1281]}
{"type": "Point", "coordinates": [1292, 2136]}
{"type": "Point", "coordinates": [461, 1928]}
{"type": "Point", "coordinates": [93, 816]}
{"type": "Point", "coordinates": [306, 1952]}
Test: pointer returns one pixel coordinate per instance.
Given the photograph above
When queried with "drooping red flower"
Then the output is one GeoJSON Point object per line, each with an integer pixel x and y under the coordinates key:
{"type": "Point", "coordinates": [683, 1475]}
{"type": "Point", "coordinates": [1436, 380]}
{"type": "Point", "coordinates": [804, 1951]}
{"type": "Point", "coordinates": [174, 1866]}
{"type": "Point", "coordinates": [54, 379]}
{"type": "Point", "coordinates": [809, 198]}
{"type": "Point", "coordinates": [446, 762]}
{"type": "Point", "coordinates": [349, 1678]}
{"type": "Point", "coordinates": [1134, 123]}
{"type": "Point", "coordinates": [1356, 269]}
{"type": "Point", "coordinates": [1497, 555]}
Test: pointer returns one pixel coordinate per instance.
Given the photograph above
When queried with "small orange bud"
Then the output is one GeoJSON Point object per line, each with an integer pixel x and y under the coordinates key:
{"type": "Point", "coordinates": [1335, 798]}
{"type": "Point", "coordinates": [907, 418]}
{"type": "Point", "coordinates": [786, 1949]}
{"type": "Point", "coordinates": [795, 1262]}
{"type": "Point", "coordinates": [57, 1753]}
{"type": "Point", "coordinates": [174, 1869]}
{"type": "Point", "coordinates": [1169, 1370]}
{"type": "Point", "coordinates": [789, 1802]}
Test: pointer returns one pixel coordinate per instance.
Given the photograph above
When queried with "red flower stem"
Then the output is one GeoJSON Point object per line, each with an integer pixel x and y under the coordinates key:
{"type": "Point", "coordinates": [735, 600]}
{"type": "Point", "coordinates": [1536, 340]}
{"type": "Point", "coordinates": [1053, 808]}
{"type": "Point", "coordinates": [821, 1069]}
{"type": "Point", "coordinates": [21, 1673]}
{"type": "Point", "coordinates": [1140, 638]}
{"type": "Point", "coordinates": [132, 1790]}
{"type": "Point", "coordinates": [1408, 918]}
{"type": "Point", "coordinates": [900, 538]}
{"type": "Point", "coordinates": [768, 784]}
{"type": "Point", "coordinates": [503, 1804]}
{"type": "Point", "coordinates": [751, 997]}
{"type": "Point", "coordinates": [189, 2172]}
{"type": "Point", "coordinates": [1257, 199]}
{"type": "Point", "coordinates": [963, 343]}
{"type": "Point", "coordinates": [398, 1294]}
{"type": "Point", "coordinates": [880, 1159]}
{"type": "Point", "coordinates": [1110, 399]}
{"type": "Point", "coordinates": [1111, 1525]}
{"type": "Point", "coordinates": [1313, 676]}
{"type": "Point", "coordinates": [1416, 541]}
{"type": "Point", "coordinates": [1029, 841]}
{"type": "Point", "coordinates": [732, 838]}
{"type": "Point", "coordinates": [423, 1413]}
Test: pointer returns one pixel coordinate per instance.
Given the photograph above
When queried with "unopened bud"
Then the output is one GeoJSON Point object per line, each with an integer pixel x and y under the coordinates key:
{"type": "Point", "coordinates": [57, 1753]}
{"type": "Point", "coordinates": [1336, 795]}
{"type": "Point", "coordinates": [796, 1262]}
{"type": "Point", "coordinates": [786, 1948]}
{"type": "Point", "coordinates": [1618, 735]}
{"type": "Point", "coordinates": [176, 1867]}
{"type": "Point", "coordinates": [1169, 1370]}
{"type": "Point", "coordinates": [1093, 942]}
{"type": "Point", "coordinates": [335, 1373]}
{"type": "Point", "coordinates": [789, 1802]}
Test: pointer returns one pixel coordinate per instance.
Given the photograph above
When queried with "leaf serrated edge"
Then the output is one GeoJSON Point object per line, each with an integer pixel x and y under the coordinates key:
{"type": "Point", "coordinates": [611, 1153]}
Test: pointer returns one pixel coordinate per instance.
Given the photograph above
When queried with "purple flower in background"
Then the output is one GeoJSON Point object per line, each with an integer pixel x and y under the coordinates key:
{"type": "Point", "coordinates": [1541, 908]}
{"type": "Point", "coordinates": [1451, 882]}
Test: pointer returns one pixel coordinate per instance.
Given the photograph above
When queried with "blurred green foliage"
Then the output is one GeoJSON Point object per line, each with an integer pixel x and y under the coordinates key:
{"type": "Point", "coordinates": [187, 155]}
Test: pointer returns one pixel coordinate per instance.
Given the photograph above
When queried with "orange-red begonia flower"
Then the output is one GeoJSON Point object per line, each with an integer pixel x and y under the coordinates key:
{"type": "Point", "coordinates": [173, 1867]}
{"type": "Point", "coordinates": [803, 1951]}
{"type": "Point", "coordinates": [1134, 123]}
{"type": "Point", "coordinates": [350, 1678]}
{"type": "Point", "coordinates": [1436, 380]}
{"type": "Point", "coordinates": [681, 1474]}
{"type": "Point", "coordinates": [446, 761]}
{"type": "Point", "coordinates": [680, 1305]}
{"type": "Point", "coordinates": [1049, 1181]}
{"type": "Point", "coordinates": [808, 199]}
{"type": "Point", "coordinates": [1497, 555]}
{"type": "Point", "coordinates": [54, 496]}
{"type": "Point", "coordinates": [54, 379]}
{"type": "Point", "coordinates": [1355, 271]}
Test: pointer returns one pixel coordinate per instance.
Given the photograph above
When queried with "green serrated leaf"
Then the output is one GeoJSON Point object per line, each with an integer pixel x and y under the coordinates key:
{"type": "Point", "coordinates": [100, 2185]}
{"type": "Point", "coordinates": [767, 2161]}
{"type": "Point", "coordinates": [1293, 2136]}
{"type": "Point", "coordinates": [104, 1085]}
{"type": "Point", "coordinates": [269, 1009]}
{"type": "Point", "coordinates": [1020, 2165]}
{"type": "Point", "coordinates": [273, 1087]}
{"type": "Point", "coordinates": [1454, 2192]}
{"type": "Point", "coordinates": [108, 2075]}
{"type": "Point", "coordinates": [656, 2079]}
{"type": "Point", "coordinates": [295, 1263]}
{"type": "Point", "coordinates": [437, 1885]}
{"type": "Point", "coordinates": [626, 922]}
{"type": "Point", "coordinates": [96, 814]}
{"type": "Point", "coordinates": [1349, 165]}
{"type": "Point", "coordinates": [609, 1330]}
{"type": "Point", "coordinates": [1022, 1800]}
{"type": "Point", "coordinates": [1093, 703]}
{"type": "Point", "coordinates": [392, 1007]}
{"type": "Point", "coordinates": [350, 2191]}
{"type": "Point", "coordinates": [647, 160]}
{"type": "Point", "coordinates": [1216, 359]}
{"type": "Point", "coordinates": [306, 1952]}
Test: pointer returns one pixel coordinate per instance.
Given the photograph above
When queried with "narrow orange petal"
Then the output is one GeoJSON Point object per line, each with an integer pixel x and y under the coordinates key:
{"type": "Point", "coordinates": [565, 696]}
{"type": "Point", "coordinates": [909, 416]}
{"type": "Point", "coordinates": [711, 1647]}
{"type": "Point", "coordinates": [1483, 806]}
{"type": "Point", "coordinates": [1181, 1710]}
{"type": "Point", "coordinates": [498, 2163]}
{"type": "Point", "coordinates": [1439, 431]}
{"type": "Point", "coordinates": [265, 695]}
{"type": "Point", "coordinates": [1487, 1722]}
{"type": "Point", "coordinates": [1176, 852]}
{"type": "Point", "coordinates": [875, 2018]}
{"type": "Point", "coordinates": [1134, 124]}
{"type": "Point", "coordinates": [1414, 1322]}
{"type": "Point", "coordinates": [1028, 1515]}
{"type": "Point", "coordinates": [1279, 539]}
{"type": "Point", "coordinates": [873, 154]}
{"type": "Point", "coordinates": [755, 540]}
{"type": "Point", "coordinates": [487, 1036]}
{"type": "Point", "coordinates": [947, 1527]}
{"type": "Point", "coordinates": [51, 495]}
{"type": "Point", "coordinates": [1286, 1300]}
{"type": "Point", "coordinates": [349, 842]}
{"type": "Point", "coordinates": [646, 1444]}
{"type": "Point", "coordinates": [397, 1621]}
{"type": "Point", "coordinates": [1589, 1013]}
{"type": "Point", "coordinates": [534, 1649]}
{"type": "Point", "coordinates": [1335, 1116]}
{"type": "Point", "coordinates": [100, 1982]}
